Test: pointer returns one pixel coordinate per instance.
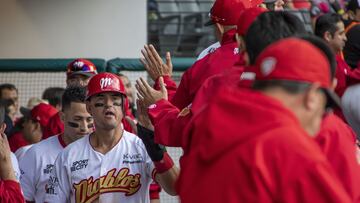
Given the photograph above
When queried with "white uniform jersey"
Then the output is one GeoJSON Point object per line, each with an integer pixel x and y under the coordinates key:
{"type": "Point", "coordinates": [82, 174]}
{"type": "Point", "coordinates": [20, 153]}
{"type": "Point", "coordinates": [15, 165]}
{"type": "Point", "coordinates": [36, 166]}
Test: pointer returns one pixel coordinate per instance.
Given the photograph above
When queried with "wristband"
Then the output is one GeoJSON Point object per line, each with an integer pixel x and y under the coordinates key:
{"type": "Point", "coordinates": [165, 164]}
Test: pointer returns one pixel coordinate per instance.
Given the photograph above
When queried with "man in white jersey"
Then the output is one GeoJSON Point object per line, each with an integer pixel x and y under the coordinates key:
{"type": "Point", "coordinates": [110, 164]}
{"type": "Point", "coordinates": [38, 161]}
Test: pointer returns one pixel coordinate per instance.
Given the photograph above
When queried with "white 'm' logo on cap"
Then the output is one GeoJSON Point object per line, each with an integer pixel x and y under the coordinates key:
{"type": "Point", "coordinates": [104, 82]}
{"type": "Point", "coordinates": [268, 65]}
{"type": "Point", "coordinates": [79, 64]}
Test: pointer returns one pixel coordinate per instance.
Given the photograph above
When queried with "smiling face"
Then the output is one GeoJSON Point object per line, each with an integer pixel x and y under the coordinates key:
{"type": "Point", "coordinates": [106, 109]}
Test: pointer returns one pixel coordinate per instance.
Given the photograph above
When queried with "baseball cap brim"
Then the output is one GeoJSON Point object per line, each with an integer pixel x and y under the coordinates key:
{"type": "Point", "coordinates": [333, 99]}
{"type": "Point", "coordinates": [87, 74]}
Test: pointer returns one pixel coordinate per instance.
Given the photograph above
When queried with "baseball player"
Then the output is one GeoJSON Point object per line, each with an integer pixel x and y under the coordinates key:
{"type": "Point", "coordinates": [78, 72]}
{"type": "Point", "coordinates": [264, 134]}
{"type": "Point", "coordinates": [110, 164]}
{"type": "Point", "coordinates": [39, 160]}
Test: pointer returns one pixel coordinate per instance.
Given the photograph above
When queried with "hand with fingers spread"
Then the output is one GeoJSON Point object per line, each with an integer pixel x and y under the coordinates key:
{"type": "Point", "coordinates": [143, 115]}
{"type": "Point", "coordinates": [148, 94]}
{"type": "Point", "coordinates": [153, 63]}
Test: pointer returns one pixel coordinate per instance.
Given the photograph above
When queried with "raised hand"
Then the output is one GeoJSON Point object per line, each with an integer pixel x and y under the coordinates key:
{"type": "Point", "coordinates": [153, 63]}
{"type": "Point", "coordinates": [149, 95]}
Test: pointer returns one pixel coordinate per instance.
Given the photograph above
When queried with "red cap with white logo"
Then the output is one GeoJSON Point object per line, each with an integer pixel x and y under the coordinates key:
{"type": "Point", "coordinates": [105, 82]}
{"type": "Point", "coordinates": [308, 65]}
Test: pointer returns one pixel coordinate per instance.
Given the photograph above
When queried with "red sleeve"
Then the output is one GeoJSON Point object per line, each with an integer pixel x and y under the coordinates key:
{"type": "Point", "coordinates": [10, 192]}
{"type": "Point", "coordinates": [182, 97]}
{"type": "Point", "coordinates": [168, 122]}
{"type": "Point", "coordinates": [170, 86]}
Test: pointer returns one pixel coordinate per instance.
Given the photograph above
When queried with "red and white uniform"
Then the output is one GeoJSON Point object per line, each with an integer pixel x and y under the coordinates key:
{"type": "Point", "coordinates": [36, 167]}
{"type": "Point", "coordinates": [82, 174]}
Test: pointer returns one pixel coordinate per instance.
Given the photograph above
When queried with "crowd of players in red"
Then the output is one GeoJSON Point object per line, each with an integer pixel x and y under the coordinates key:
{"type": "Point", "coordinates": [268, 114]}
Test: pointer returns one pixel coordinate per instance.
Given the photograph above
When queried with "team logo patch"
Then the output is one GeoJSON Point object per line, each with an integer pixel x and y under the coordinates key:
{"type": "Point", "coordinates": [105, 82]}
{"type": "Point", "coordinates": [268, 65]}
{"type": "Point", "coordinates": [88, 190]}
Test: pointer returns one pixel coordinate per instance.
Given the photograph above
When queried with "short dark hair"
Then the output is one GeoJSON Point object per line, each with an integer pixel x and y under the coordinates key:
{"type": "Point", "coordinates": [290, 86]}
{"type": "Point", "coordinates": [7, 86]}
{"type": "Point", "coordinates": [327, 23]}
{"type": "Point", "coordinates": [73, 94]}
{"type": "Point", "coordinates": [270, 27]}
{"type": "Point", "coordinates": [53, 95]}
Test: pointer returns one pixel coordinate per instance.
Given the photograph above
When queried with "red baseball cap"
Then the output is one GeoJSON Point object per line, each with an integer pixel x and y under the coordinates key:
{"type": "Point", "coordinates": [105, 82]}
{"type": "Point", "coordinates": [41, 113]}
{"type": "Point", "coordinates": [227, 12]}
{"type": "Point", "coordinates": [247, 17]}
{"type": "Point", "coordinates": [294, 59]}
{"type": "Point", "coordinates": [82, 67]}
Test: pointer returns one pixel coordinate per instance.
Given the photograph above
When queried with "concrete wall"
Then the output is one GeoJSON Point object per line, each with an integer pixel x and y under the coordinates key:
{"type": "Point", "coordinates": [72, 28]}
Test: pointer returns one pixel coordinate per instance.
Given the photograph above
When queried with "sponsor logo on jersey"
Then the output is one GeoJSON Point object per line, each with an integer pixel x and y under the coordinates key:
{"type": "Point", "coordinates": [132, 158]}
{"type": "Point", "coordinates": [78, 165]}
{"type": "Point", "coordinates": [88, 190]}
{"type": "Point", "coordinates": [52, 183]}
{"type": "Point", "coordinates": [48, 168]}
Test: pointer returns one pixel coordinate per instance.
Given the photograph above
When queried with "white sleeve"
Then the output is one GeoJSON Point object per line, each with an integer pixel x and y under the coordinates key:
{"type": "Point", "coordinates": [30, 175]}
{"type": "Point", "coordinates": [15, 165]}
{"type": "Point", "coordinates": [59, 188]}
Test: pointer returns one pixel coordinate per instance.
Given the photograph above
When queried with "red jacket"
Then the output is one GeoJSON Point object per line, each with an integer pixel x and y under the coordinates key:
{"type": "Point", "coordinates": [218, 61]}
{"type": "Point", "coordinates": [338, 142]}
{"type": "Point", "coordinates": [170, 122]}
{"type": "Point", "coordinates": [10, 192]}
{"type": "Point", "coordinates": [246, 147]}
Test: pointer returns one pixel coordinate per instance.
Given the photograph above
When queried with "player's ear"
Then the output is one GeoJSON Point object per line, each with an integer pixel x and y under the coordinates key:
{"type": "Point", "coordinates": [88, 106]}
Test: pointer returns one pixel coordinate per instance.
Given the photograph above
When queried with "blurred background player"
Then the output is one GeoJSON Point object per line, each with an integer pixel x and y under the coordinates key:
{"type": "Point", "coordinates": [9, 91]}
{"type": "Point", "coordinates": [35, 122]}
{"type": "Point", "coordinates": [10, 190]}
{"type": "Point", "coordinates": [53, 95]}
{"type": "Point", "coordinates": [39, 159]}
